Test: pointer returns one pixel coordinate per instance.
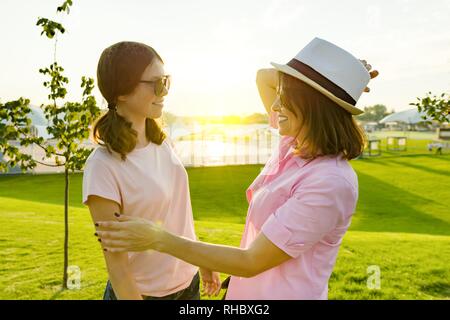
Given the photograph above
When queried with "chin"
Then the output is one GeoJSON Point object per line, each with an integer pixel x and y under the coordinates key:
{"type": "Point", "coordinates": [155, 115]}
{"type": "Point", "coordinates": [282, 131]}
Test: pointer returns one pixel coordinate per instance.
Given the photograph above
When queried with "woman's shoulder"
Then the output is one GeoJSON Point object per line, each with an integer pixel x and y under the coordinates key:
{"type": "Point", "coordinates": [334, 169]}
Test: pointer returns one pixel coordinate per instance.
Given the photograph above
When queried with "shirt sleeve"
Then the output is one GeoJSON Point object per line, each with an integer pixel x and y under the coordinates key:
{"type": "Point", "coordinates": [99, 180]}
{"type": "Point", "coordinates": [314, 210]}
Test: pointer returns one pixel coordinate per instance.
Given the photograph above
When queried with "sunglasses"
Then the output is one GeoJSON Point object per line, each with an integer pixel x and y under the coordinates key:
{"type": "Point", "coordinates": [160, 86]}
{"type": "Point", "coordinates": [281, 97]}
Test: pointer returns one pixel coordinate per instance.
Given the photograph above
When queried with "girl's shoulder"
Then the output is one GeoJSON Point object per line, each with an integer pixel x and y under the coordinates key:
{"type": "Point", "coordinates": [100, 154]}
{"type": "Point", "coordinates": [169, 142]}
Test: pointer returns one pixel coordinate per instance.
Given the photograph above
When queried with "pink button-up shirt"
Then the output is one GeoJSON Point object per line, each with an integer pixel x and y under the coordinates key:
{"type": "Point", "coordinates": [304, 207]}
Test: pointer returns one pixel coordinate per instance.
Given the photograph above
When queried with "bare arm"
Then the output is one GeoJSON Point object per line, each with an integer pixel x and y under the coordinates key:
{"type": "Point", "coordinates": [121, 279]}
{"type": "Point", "coordinates": [136, 234]}
{"type": "Point", "coordinates": [259, 257]}
{"type": "Point", "coordinates": [267, 82]}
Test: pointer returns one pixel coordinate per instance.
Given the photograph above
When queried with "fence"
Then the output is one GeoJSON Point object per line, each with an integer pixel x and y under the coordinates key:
{"type": "Point", "coordinates": [223, 149]}
{"type": "Point", "coordinates": [196, 150]}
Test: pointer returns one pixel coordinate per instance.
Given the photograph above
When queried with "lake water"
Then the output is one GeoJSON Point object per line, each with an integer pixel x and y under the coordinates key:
{"type": "Point", "coordinates": [213, 145]}
{"type": "Point", "coordinates": [203, 145]}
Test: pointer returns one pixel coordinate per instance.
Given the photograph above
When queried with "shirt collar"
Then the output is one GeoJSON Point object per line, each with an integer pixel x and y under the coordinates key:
{"type": "Point", "coordinates": [299, 160]}
{"type": "Point", "coordinates": [288, 143]}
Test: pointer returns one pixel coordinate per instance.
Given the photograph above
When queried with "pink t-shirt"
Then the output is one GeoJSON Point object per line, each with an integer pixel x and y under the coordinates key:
{"type": "Point", "coordinates": [304, 207]}
{"type": "Point", "coordinates": [152, 184]}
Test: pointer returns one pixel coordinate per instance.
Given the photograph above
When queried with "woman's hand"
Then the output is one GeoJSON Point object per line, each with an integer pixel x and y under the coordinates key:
{"type": "Point", "coordinates": [373, 73]}
{"type": "Point", "coordinates": [211, 282]}
{"type": "Point", "coordinates": [128, 234]}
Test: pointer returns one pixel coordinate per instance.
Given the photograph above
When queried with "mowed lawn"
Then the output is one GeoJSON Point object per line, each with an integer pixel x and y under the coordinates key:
{"type": "Point", "coordinates": [402, 225]}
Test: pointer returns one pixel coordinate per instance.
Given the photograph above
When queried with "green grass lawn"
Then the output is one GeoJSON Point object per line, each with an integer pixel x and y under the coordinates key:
{"type": "Point", "coordinates": [402, 225]}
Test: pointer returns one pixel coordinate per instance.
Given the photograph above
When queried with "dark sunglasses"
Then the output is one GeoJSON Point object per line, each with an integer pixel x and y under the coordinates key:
{"type": "Point", "coordinates": [280, 95]}
{"type": "Point", "coordinates": [160, 86]}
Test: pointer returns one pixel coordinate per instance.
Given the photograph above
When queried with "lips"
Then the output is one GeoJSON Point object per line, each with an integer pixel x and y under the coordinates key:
{"type": "Point", "coordinates": [158, 104]}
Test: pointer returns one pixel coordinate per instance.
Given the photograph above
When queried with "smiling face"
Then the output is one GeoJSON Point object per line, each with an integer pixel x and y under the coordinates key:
{"type": "Point", "coordinates": [321, 127]}
{"type": "Point", "coordinates": [142, 102]}
{"type": "Point", "coordinates": [289, 123]}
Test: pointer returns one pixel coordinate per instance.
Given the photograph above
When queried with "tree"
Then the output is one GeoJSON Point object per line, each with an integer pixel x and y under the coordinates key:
{"type": "Point", "coordinates": [374, 113]}
{"type": "Point", "coordinates": [436, 107]}
{"type": "Point", "coordinates": [68, 125]}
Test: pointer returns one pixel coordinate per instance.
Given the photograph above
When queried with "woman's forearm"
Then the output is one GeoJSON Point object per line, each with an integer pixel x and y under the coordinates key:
{"type": "Point", "coordinates": [267, 82]}
{"type": "Point", "coordinates": [221, 258]}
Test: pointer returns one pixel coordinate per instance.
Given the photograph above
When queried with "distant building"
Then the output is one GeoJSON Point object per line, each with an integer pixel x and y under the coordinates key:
{"type": "Point", "coordinates": [408, 120]}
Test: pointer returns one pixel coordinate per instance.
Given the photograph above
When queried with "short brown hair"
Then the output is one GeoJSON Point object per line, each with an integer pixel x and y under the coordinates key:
{"type": "Point", "coordinates": [328, 128]}
{"type": "Point", "coordinates": [119, 70]}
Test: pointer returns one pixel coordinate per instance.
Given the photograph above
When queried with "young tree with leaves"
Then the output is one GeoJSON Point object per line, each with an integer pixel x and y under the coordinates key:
{"type": "Point", "coordinates": [68, 125]}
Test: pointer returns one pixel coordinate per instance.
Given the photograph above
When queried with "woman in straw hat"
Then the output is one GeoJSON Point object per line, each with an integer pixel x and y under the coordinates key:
{"type": "Point", "coordinates": [301, 204]}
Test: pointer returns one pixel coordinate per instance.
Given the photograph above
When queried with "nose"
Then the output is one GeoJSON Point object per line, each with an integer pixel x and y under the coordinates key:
{"type": "Point", "coordinates": [276, 107]}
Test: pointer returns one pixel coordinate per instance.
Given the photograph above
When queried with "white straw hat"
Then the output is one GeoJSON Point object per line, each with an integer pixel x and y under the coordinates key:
{"type": "Point", "coordinates": [330, 70]}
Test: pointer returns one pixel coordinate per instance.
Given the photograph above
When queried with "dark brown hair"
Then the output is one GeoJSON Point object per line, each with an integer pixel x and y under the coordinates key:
{"type": "Point", "coordinates": [119, 70]}
{"type": "Point", "coordinates": [328, 129]}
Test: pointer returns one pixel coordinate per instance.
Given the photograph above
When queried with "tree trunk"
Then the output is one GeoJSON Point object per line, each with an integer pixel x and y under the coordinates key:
{"type": "Point", "coordinates": [66, 227]}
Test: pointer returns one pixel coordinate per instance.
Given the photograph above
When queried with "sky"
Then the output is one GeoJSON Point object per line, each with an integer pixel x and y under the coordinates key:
{"type": "Point", "coordinates": [212, 49]}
